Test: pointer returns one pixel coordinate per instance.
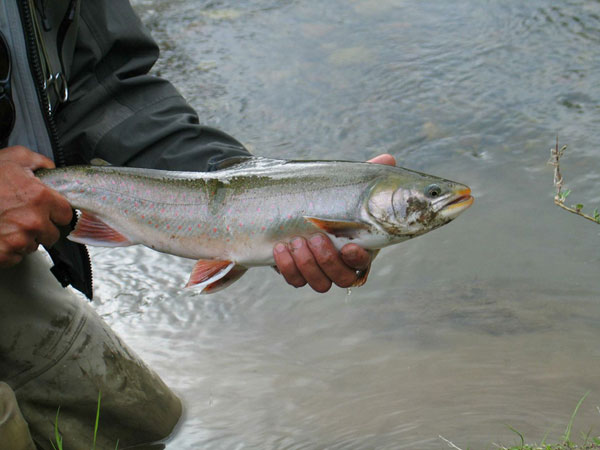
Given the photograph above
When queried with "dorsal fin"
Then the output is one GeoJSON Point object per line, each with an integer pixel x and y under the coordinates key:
{"type": "Point", "coordinates": [230, 162]}
{"type": "Point", "coordinates": [99, 162]}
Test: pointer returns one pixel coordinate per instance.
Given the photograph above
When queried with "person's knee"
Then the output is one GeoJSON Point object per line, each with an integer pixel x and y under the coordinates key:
{"type": "Point", "coordinates": [169, 409]}
{"type": "Point", "coordinates": [14, 432]}
{"type": "Point", "coordinates": [8, 403]}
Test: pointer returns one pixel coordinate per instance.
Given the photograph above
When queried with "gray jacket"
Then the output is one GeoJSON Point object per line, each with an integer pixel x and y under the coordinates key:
{"type": "Point", "coordinates": [99, 51]}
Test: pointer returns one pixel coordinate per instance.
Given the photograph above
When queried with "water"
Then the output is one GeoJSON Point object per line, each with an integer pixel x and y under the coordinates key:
{"type": "Point", "coordinates": [491, 320]}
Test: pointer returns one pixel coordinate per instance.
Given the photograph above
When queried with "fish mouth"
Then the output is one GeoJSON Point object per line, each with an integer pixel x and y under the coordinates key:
{"type": "Point", "coordinates": [458, 202]}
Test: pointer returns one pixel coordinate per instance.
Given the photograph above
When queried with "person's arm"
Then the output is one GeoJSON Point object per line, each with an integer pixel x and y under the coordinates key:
{"type": "Point", "coordinates": [118, 112]}
{"type": "Point", "coordinates": [29, 211]}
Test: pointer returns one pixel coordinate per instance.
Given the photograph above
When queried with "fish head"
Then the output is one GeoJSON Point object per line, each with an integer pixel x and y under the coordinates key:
{"type": "Point", "coordinates": [411, 204]}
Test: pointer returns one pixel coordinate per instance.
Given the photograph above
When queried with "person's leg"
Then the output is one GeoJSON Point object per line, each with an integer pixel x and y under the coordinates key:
{"type": "Point", "coordinates": [55, 351]}
{"type": "Point", "coordinates": [14, 432]}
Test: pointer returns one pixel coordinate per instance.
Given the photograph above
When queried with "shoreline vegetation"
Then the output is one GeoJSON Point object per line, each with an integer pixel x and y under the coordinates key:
{"type": "Point", "coordinates": [564, 446]}
{"type": "Point", "coordinates": [589, 442]}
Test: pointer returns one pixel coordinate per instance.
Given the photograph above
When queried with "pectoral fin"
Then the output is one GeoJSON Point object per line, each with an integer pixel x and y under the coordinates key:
{"type": "Point", "coordinates": [213, 275]}
{"type": "Point", "coordinates": [93, 231]}
{"type": "Point", "coordinates": [339, 228]}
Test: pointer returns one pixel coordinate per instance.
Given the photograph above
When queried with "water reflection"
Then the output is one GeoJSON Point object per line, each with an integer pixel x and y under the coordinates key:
{"type": "Point", "coordinates": [489, 321]}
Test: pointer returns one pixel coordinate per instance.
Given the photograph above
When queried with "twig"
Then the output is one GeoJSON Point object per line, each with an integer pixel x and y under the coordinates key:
{"type": "Point", "coordinates": [450, 444]}
{"type": "Point", "coordinates": [559, 198]}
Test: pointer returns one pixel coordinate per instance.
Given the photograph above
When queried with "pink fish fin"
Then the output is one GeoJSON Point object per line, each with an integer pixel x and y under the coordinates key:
{"type": "Point", "coordinates": [364, 274]}
{"type": "Point", "coordinates": [339, 228]}
{"type": "Point", "coordinates": [213, 275]}
{"type": "Point", "coordinates": [93, 231]}
{"type": "Point", "coordinates": [230, 277]}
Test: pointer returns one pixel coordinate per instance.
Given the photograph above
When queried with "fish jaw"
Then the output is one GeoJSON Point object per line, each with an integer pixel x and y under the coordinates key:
{"type": "Point", "coordinates": [460, 200]}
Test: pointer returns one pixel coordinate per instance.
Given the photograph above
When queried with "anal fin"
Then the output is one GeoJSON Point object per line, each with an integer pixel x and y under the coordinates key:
{"type": "Point", "coordinates": [213, 275]}
{"type": "Point", "coordinates": [93, 231]}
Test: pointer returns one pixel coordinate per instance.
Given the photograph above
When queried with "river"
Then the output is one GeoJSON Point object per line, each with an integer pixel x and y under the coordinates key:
{"type": "Point", "coordinates": [489, 322]}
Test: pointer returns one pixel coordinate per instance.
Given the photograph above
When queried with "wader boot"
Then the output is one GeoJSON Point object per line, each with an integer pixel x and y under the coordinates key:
{"type": "Point", "coordinates": [55, 351]}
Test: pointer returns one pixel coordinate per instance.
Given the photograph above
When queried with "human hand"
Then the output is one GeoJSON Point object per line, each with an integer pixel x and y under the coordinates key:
{"type": "Point", "coordinates": [316, 262]}
{"type": "Point", "coordinates": [29, 211]}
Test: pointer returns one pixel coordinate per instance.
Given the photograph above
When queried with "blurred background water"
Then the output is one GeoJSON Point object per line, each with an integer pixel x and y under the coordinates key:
{"type": "Point", "coordinates": [490, 321]}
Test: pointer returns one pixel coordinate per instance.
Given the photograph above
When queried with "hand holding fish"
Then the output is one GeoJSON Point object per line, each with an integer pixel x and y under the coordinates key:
{"type": "Point", "coordinates": [316, 262]}
{"type": "Point", "coordinates": [29, 210]}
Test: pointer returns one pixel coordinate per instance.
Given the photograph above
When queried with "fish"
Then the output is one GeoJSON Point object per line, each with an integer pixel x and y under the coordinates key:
{"type": "Point", "coordinates": [230, 219]}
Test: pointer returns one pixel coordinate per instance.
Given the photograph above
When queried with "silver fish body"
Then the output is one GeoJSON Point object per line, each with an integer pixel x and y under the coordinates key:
{"type": "Point", "coordinates": [230, 219]}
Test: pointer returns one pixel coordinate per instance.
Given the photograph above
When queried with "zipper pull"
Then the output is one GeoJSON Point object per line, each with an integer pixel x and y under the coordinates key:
{"type": "Point", "coordinates": [46, 23]}
{"type": "Point", "coordinates": [40, 6]}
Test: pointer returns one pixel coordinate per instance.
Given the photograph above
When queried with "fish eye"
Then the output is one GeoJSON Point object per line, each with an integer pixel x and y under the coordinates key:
{"type": "Point", "coordinates": [433, 191]}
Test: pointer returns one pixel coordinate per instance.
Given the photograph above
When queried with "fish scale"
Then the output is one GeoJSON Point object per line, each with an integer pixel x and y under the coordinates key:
{"type": "Point", "coordinates": [230, 219]}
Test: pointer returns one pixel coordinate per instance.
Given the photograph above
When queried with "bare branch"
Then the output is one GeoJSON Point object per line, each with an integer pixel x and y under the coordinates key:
{"type": "Point", "coordinates": [560, 196]}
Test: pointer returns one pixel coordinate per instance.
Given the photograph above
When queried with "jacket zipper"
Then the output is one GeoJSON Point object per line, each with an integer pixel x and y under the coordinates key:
{"type": "Point", "coordinates": [34, 58]}
{"type": "Point", "coordinates": [59, 155]}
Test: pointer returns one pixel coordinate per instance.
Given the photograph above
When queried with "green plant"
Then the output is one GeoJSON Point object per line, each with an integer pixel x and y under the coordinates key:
{"type": "Point", "coordinates": [567, 444]}
{"type": "Point", "coordinates": [567, 435]}
{"type": "Point", "coordinates": [58, 437]}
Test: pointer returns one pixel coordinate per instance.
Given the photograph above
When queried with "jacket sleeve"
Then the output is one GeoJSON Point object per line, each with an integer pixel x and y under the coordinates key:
{"type": "Point", "coordinates": [120, 113]}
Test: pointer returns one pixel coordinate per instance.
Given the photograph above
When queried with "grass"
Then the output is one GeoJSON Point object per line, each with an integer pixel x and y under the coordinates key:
{"type": "Point", "coordinates": [58, 440]}
{"type": "Point", "coordinates": [589, 443]}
